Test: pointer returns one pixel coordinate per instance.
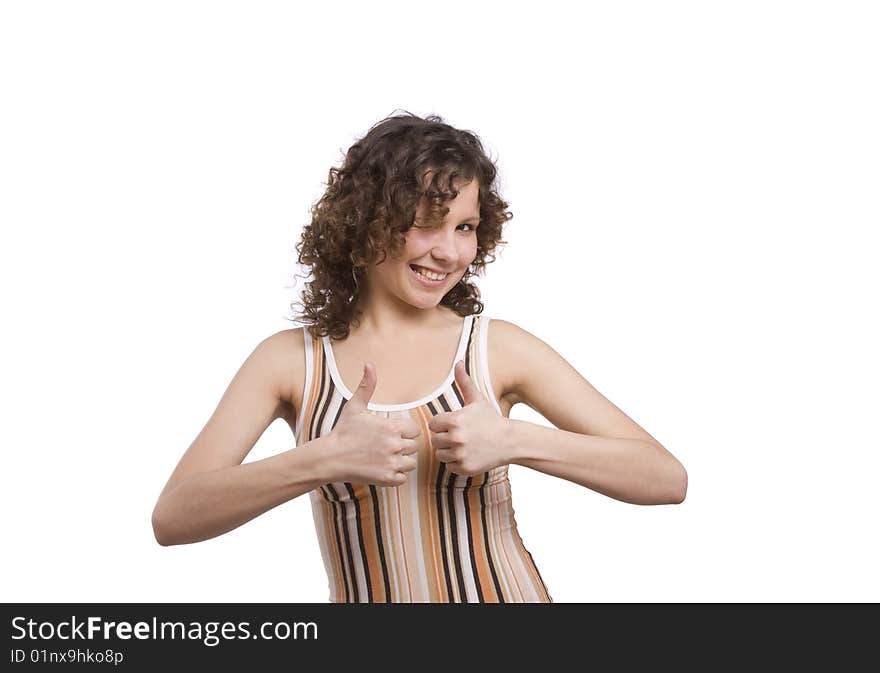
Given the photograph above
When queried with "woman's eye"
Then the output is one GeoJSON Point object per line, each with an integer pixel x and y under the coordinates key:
{"type": "Point", "coordinates": [467, 224]}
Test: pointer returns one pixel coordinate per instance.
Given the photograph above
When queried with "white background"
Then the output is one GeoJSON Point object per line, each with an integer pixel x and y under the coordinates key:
{"type": "Point", "coordinates": [695, 196]}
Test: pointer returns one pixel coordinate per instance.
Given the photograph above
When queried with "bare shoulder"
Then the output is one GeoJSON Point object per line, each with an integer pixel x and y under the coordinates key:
{"type": "Point", "coordinates": [531, 371]}
{"type": "Point", "coordinates": [285, 354]}
{"type": "Point", "coordinates": [508, 345]}
{"type": "Point", "coordinates": [518, 359]}
{"type": "Point", "coordinates": [254, 398]}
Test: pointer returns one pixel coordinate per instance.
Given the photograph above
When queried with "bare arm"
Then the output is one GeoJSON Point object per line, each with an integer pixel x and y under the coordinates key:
{"type": "Point", "coordinates": [210, 491]}
{"type": "Point", "coordinates": [630, 470]}
{"type": "Point", "coordinates": [209, 504]}
{"type": "Point", "coordinates": [594, 444]}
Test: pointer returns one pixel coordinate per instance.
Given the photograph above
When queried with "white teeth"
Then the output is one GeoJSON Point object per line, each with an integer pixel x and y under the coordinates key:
{"type": "Point", "coordinates": [429, 274]}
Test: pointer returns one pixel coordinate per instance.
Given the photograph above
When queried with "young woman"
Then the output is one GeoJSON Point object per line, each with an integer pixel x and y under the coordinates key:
{"type": "Point", "coordinates": [398, 391]}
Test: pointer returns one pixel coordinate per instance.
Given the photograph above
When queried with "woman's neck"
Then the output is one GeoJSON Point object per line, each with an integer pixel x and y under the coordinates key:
{"type": "Point", "coordinates": [385, 318]}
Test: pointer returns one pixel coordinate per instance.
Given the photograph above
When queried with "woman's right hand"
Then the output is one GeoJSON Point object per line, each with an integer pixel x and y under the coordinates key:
{"type": "Point", "coordinates": [370, 449]}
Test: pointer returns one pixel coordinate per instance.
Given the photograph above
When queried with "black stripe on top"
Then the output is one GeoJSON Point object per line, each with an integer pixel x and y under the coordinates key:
{"type": "Point", "coordinates": [360, 535]}
{"type": "Point", "coordinates": [440, 521]}
{"type": "Point", "coordinates": [453, 518]}
{"type": "Point", "coordinates": [379, 534]}
{"type": "Point", "coordinates": [486, 540]}
{"type": "Point", "coordinates": [337, 516]}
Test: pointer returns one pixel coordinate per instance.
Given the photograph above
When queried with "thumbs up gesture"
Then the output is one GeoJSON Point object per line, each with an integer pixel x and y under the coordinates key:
{"type": "Point", "coordinates": [472, 439]}
{"type": "Point", "coordinates": [371, 449]}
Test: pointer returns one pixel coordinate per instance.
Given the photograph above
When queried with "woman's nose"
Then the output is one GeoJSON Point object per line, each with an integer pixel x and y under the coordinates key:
{"type": "Point", "coordinates": [444, 246]}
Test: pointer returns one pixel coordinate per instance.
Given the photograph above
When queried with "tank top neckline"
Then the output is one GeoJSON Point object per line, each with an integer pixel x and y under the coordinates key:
{"type": "Point", "coordinates": [347, 394]}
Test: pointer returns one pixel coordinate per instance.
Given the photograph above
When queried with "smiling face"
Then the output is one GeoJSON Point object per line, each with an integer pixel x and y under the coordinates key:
{"type": "Point", "coordinates": [433, 260]}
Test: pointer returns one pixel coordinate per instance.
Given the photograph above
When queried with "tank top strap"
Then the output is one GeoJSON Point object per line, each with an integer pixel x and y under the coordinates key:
{"type": "Point", "coordinates": [313, 379]}
{"type": "Point", "coordinates": [478, 358]}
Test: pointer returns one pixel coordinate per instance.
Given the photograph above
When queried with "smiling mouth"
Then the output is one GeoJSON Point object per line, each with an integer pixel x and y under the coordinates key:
{"type": "Point", "coordinates": [427, 277]}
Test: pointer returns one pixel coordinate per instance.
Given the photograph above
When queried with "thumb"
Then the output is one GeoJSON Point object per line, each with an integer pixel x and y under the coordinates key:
{"type": "Point", "coordinates": [466, 384]}
{"type": "Point", "coordinates": [364, 392]}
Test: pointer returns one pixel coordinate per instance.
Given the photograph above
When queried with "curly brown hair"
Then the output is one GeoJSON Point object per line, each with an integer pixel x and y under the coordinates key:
{"type": "Point", "coordinates": [370, 203]}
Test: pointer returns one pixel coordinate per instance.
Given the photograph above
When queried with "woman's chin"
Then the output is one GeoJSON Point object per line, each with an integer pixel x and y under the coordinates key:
{"type": "Point", "coordinates": [422, 301]}
{"type": "Point", "coordinates": [425, 303]}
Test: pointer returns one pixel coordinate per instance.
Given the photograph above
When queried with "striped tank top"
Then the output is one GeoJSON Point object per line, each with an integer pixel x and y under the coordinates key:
{"type": "Point", "coordinates": [439, 537]}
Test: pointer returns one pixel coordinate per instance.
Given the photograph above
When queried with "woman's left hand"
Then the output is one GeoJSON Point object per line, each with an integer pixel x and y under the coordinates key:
{"type": "Point", "coordinates": [473, 439]}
